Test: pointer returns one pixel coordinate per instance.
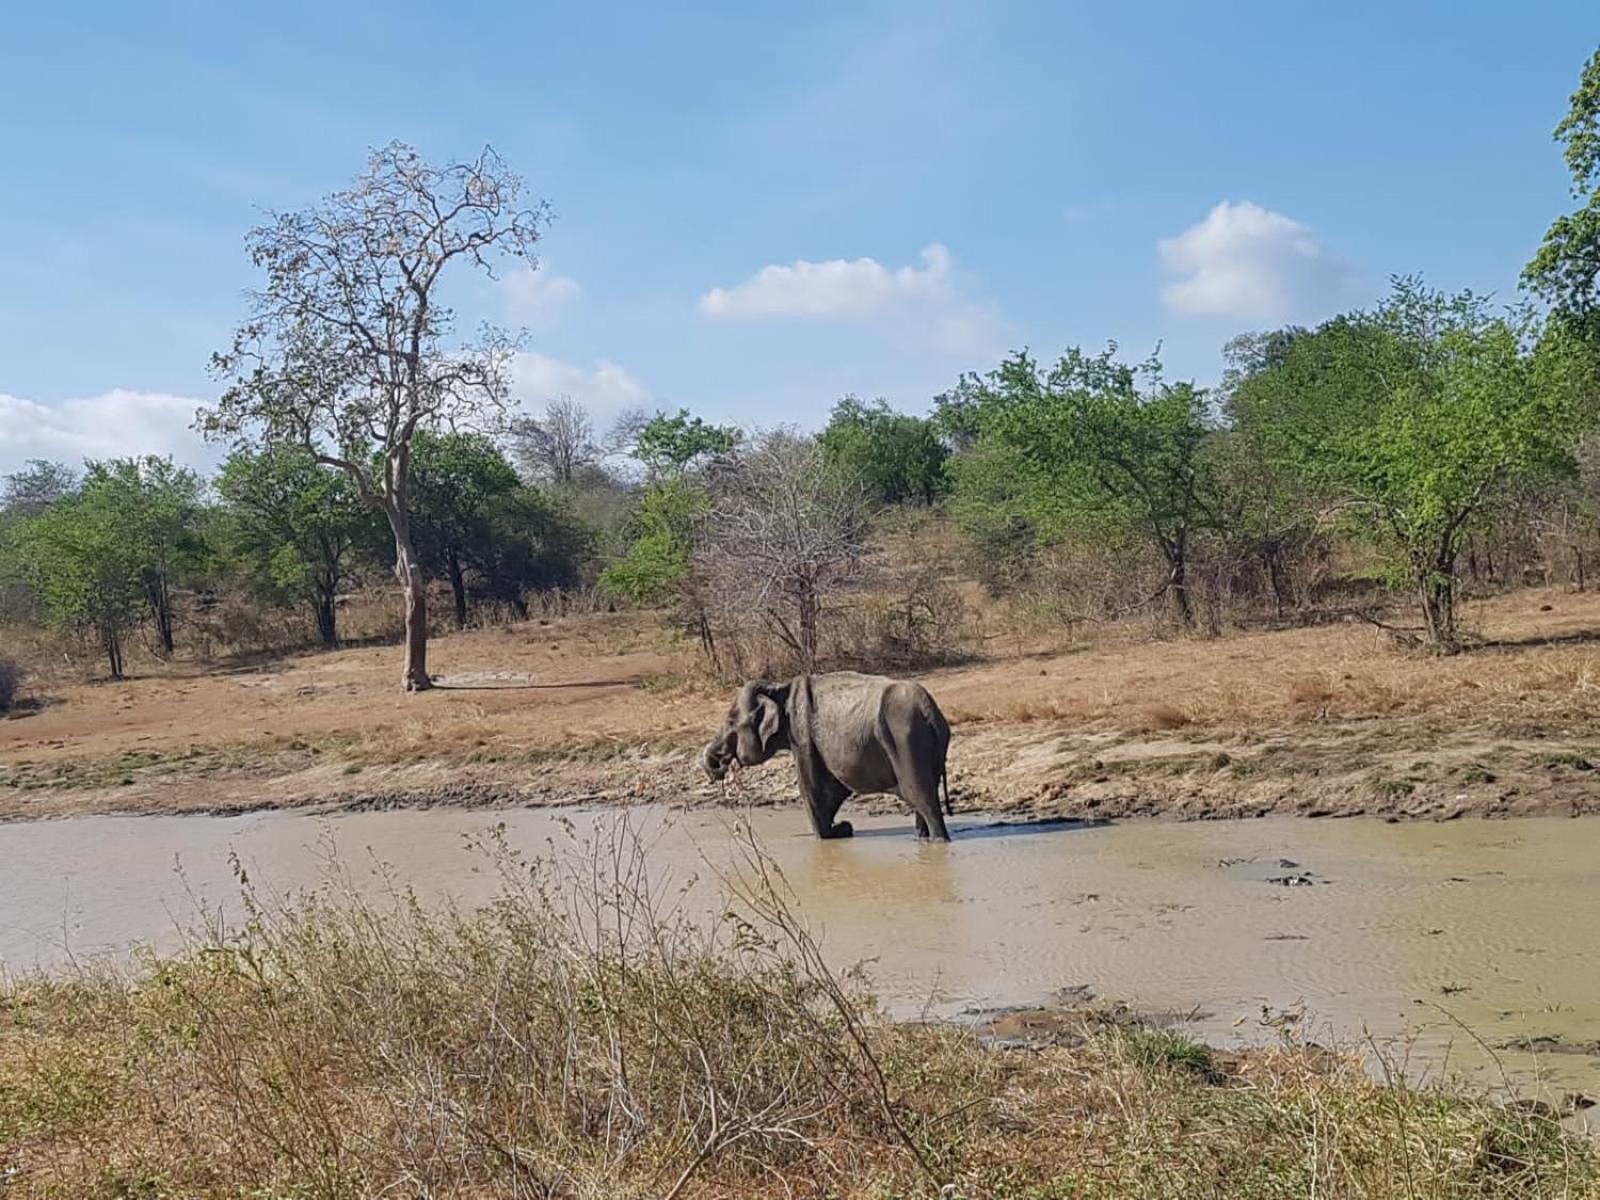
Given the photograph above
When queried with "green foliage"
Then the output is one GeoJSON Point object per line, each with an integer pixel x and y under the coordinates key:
{"type": "Point", "coordinates": [672, 445]}
{"type": "Point", "coordinates": [1566, 269]}
{"type": "Point", "coordinates": [471, 513]}
{"type": "Point", "coordinates": [657, 566]}
{"type": "Point", "coordinates": [1418, 420]}
{"type": "Point", "coordinates": [529, 540]}
{"type": "Point", "coordinates": [292, 527]}
{"type": "Point", "coordinates": [898, 458]}
{"type": "Point", "coordinates": [83, 560]}
{"type": "Point", "coordinates": [1157, 1049]}
{"type": "Point", "coordinates": [990, 502]}
{"type": "Point", "coordinates": [659, 563]}
{"type": "Point", "coordinates": [1090, 447]}
{"type": "Point", "coordinates": [161, 507]}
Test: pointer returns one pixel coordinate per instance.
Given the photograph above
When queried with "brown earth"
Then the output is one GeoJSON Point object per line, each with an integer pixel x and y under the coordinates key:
{"type": "Point", "coordinates": [1335, 720]}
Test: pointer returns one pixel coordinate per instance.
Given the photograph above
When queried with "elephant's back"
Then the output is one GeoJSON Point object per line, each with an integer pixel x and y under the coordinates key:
{"type": "Point", "coordinates": [858, 699]}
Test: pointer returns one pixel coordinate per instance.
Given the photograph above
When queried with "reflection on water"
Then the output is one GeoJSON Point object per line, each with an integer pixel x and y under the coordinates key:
{"type": "Point", "coordinates": [1400, 930]}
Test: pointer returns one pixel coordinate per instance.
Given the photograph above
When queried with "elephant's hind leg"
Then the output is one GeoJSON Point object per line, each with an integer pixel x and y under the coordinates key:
{"type": "Point", "coordinates": [922, 794]}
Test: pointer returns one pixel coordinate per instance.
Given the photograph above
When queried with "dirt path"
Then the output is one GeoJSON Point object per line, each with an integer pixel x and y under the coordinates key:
{"type": "Point", "coordinates": [1328, 721]}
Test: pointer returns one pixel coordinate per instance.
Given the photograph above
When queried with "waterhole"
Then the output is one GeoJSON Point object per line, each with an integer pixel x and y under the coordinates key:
{"type": "Point", "coordinates": [1471, 947]}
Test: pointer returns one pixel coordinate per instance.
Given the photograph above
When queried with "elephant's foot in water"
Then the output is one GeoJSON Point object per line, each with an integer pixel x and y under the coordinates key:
{"type": "Point", "coordinates": [840, 829]}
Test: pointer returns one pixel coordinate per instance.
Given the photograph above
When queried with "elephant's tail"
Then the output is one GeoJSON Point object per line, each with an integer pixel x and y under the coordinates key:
{"type": "Point", "coordinates": [944, 782]}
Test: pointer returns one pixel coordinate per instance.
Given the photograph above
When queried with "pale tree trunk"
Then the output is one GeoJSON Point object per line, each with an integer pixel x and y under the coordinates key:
{"type": "Point", "coordinates": [409, 571]}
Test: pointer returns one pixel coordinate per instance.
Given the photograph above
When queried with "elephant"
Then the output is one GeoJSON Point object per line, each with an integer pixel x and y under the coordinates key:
{"type": "Point", "coordinates": [849, 734]}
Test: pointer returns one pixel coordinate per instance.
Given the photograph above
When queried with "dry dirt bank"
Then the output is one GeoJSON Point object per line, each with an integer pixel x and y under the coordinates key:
{"type": "Point", "coordinates": [1325, 721]}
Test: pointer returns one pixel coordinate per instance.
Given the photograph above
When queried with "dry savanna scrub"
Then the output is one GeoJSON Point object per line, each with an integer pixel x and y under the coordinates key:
{"type": "Point", "coordinates": [581, 1037]}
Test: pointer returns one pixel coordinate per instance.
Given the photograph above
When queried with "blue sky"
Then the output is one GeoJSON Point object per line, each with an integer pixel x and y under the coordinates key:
{"type": "Point", "coordinates": [760, 209]}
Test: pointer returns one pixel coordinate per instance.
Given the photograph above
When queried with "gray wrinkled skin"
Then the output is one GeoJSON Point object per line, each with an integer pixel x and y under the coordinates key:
{"type": "Point", "coordinates": [850, 734]}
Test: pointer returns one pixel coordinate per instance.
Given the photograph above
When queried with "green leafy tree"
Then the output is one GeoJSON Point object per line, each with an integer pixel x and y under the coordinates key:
{"type": "Point", "coordinates": [83, 558]}
{"type": "Point", "coordinates": [296, 525]}
{"type": "Point", "coordinates": [898, 458]}
{"type": "Point", "coordinates": [658, 566]}
{"type": "Point", "coordinates": [672, 445]}
{"type": "Point", "coordinates": [1566, 270]}
{"type": "Point", "coordinates": [1096, 446]}
{"type": "Point", "coordinates": [456, 479]}
{"type": "Point", "coordinates": [530, 540]}
{"type": "Point", "coordinates": [1420, 421]}
{"type": "Point", "coordinates": [160, 506]}
{"type": "Point", "coordinates": [1269, 508]}
{"type": "Point", "coordinates": [24, 495]}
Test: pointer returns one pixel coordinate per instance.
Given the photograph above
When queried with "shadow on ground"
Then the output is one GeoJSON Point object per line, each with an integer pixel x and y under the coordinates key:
{"type": "Point", "coordinates": [961, 831]}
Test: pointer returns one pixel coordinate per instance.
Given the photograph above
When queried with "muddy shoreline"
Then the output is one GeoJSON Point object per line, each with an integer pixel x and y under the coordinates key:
{"type": "Point", "coordinates": [1036, 770]}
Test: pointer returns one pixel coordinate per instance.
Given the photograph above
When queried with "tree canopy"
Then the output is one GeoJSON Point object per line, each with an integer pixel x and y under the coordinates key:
{"type": "Point", "coordinates": [347, 349]}
{"type": "Point", "coordinates": [898, 458]}
{"type": "Point", "coordinates": [1566, 270]}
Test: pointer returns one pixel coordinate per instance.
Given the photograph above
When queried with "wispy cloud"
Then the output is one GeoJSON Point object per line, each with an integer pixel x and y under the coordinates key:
{"type": "Point", "coordinates": [533, 296]}
{"type": "Point", "coordinates": [1076, 214]}
{"type": "Point", "coordinates": [917, 305]}
{"type": "Point", "coordinates": [115, 424]}
{"type": "Point", "coordinates": [1252, 264]}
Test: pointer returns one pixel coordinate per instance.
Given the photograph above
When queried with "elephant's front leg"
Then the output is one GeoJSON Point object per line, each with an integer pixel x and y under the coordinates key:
{"type": "Point", "coordinates": [824, 795]}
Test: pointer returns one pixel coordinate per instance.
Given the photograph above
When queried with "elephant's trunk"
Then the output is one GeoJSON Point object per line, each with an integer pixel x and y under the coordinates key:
{"type": "Point", "coordinates": [714, 759]}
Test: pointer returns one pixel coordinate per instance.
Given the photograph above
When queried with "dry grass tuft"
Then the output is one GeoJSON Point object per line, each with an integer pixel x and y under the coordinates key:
{"type": "Point", "coordinates": [581, 1038]}
{"type": "Point", "coordinates": [1310, 689]}
{"type": "Point", "coordinates": [1163, 716]}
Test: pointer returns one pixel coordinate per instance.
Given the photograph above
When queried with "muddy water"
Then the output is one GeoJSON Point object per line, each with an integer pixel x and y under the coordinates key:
{"type": "Point", "coordinates": [1412, 934]}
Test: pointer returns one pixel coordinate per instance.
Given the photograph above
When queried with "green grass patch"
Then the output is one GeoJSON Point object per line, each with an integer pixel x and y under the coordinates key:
{"type": "Point", "coordinates": [1395, 789]}
{"type": "Point", "coordinates": [1575, 761]}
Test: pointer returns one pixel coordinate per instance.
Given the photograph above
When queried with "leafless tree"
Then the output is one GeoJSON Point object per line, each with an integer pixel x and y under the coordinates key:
{"type": "Point", "coordinates": [784, 536]}
{"type": "Point", "coordinates": [345, 349]}
{"type": "Point", "coordinates": [624, 432]}
{"type": "Point", "coordinates": [32, 490]}
{"type": "Point", "coordinates": [556, 447]}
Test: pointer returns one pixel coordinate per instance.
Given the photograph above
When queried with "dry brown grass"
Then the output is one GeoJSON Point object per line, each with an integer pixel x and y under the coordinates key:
{"type": "Point", "coordinates": [1536, 665]}
{"type": "Point", "coordinates": [578, 1039]}
{"type": "Point", "coordinates": [1162, 716]}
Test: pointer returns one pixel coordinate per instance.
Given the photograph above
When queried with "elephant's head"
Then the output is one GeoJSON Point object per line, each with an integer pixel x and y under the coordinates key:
{"type": "Point", "coordinates": [753, 731]}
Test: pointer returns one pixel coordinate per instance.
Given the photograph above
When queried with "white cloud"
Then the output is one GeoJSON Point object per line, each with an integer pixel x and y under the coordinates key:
{"type": "Point", "coordinates": [532, 296]}
{"type": "Point", "coordinates": [854, 288]}
{"type": "Point", "coordinates": [919, 306]}
{"type": "Point", "coordinates": [115, 424]}
{"type": "Point", "coordinates": [605, 389]}
{"type": "Point", "coordinates": [1249, 263]}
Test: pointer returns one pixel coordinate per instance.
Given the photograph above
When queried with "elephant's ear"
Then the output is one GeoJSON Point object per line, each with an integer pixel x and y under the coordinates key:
{"type": "Point", "coordinates": [768, 726]}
